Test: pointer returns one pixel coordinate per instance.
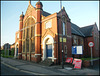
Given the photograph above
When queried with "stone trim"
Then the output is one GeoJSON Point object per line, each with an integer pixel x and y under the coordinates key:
{"type": "Point", "coordinates": [55, 58]}
{"type": "Point", "coordinates": [21, 20]}
{"type": "Point", "coordinates": [38, 9]}
{"type": "Point", "coordinates": [23, 55]}
{"type": "Point", "coordinates": [37, 54]}
{"type": "Point", "coordinates": [36, 35]}
{"type": "Point", "coordinates": [69, 36]}
{"type": "Point", "coordinates": [20, 40]}
{"type": "Point", "coordinates": [44, 47]}
{"type": "Point", "coordinates": [64, 35]}
{"type": "Point", "coordinates": [27, 55]}
{"type": "Point", "coordinates": [32, 55]}
{"type": "Point", "coordinates": [19, 53]}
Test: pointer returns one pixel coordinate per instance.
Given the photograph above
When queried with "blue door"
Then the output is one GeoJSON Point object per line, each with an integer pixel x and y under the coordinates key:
{"type": "Point", "coordinates": [49, 50]}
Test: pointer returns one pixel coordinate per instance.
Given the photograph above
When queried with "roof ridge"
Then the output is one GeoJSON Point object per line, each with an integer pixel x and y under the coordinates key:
{"type": "Point", "coordinates": [87, 26]}
{"type": "Point", "coordinates": [75, 25]}
{"type": "Point", "coordinates": [81, 32]}
{"type": "Point", "coordinates": [74, 29]}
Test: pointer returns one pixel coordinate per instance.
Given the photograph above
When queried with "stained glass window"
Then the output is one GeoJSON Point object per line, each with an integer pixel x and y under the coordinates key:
{"type": "Point", "coordinates": [32, 31]}
{"type": "Point", "coordinates": [23, 46]}
{"type": "Point", "coordinates": [29, 28]}
{"type": "Point", "coordinates": [27, 45]}
{"type": "Point", "coordinates": [33, 45]}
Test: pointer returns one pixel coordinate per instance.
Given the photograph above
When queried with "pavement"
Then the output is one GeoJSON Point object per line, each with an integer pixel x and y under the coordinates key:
{"type": "Point", "coordinates": [38, 69]}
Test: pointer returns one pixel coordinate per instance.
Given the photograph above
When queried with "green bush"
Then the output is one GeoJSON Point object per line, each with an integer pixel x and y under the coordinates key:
{"type": "Point", "coordinates": [12, 52]}
{"type": "Point", "coordinates": [7, 56]}
{"type": "Point", "coordinates": [4, 53]}
{"type": "Point", "coordinates": [89, 58]}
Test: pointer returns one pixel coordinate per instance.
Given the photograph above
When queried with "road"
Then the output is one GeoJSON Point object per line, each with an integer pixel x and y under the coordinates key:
{"type": "Point", "coordinates": [11, 66]}
{"type": "Point", "coordinates": [5, 70]}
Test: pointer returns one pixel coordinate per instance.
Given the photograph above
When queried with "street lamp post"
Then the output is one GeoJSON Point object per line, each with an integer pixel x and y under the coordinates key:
{"type": "Point", "coordinates": [62, 34]}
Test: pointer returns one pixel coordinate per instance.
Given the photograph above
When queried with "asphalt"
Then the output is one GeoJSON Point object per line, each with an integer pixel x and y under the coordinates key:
{"type": "Point", "coordinates": [8, 70]}
{"type": "Point", "coordinates": [38, 69]}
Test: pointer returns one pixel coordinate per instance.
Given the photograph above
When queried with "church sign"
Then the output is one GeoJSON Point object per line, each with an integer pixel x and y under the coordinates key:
{"type": "Point", "coordinates": [77, 50]}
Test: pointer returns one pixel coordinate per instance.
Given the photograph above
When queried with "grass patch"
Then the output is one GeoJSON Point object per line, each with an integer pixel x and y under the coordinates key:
{"type": "Point", "coordinates": [89, 58]}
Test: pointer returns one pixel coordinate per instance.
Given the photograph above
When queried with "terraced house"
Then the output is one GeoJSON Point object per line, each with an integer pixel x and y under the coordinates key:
{"type": "Point", "coordinates": [40, 35]}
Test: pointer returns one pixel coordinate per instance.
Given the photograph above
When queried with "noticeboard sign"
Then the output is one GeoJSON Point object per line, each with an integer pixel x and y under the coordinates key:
{"type": "Point", "coordinates": [77, 50]}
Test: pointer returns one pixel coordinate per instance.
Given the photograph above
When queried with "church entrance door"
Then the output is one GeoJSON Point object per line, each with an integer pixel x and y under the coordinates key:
{"type": "Point", "coordinates": [49, 50]}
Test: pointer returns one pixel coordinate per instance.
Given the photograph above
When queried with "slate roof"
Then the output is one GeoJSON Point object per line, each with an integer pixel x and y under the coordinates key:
{"type": "Point", "coordinates": [84, 31]}
{"type": "Point", "coordinates": [76, 30]}
{"type": "Point", "coordinates": [87, 30]}
{"type": "Point", "coordinates": [44, 13]}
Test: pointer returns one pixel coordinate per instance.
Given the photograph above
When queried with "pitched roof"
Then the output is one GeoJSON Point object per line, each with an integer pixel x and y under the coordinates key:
{"type": "Point", "coordinates": [76, 30]}
{"type": "Point", "coordinates": [84, 31]}
{"type": "Point", "coordinates": [44, 13]}
{"type": "Point", "coordinates": [87, 30]}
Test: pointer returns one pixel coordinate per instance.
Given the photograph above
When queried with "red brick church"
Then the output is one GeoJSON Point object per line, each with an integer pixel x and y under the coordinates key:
{"type": "Point", "coordinates": [40, 36]}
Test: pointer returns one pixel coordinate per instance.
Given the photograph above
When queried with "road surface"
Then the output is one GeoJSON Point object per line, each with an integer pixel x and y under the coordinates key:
{"type": "Point", "coordinates": [6, 70]}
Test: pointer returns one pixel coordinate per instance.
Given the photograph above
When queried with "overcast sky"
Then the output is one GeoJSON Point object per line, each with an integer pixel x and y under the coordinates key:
{"type": "Point", "coordinates": [82, 13]}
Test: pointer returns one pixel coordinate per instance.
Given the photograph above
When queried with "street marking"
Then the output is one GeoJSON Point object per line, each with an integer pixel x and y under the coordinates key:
{"type": "Point", "coordinates": [9, 66]}
{"type": "Point", "coordinates": [32, 72]}
{"type": "Point", "coordinates": [21, 70]}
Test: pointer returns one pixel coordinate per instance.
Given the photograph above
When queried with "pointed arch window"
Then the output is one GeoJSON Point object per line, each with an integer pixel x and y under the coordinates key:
{"type": "Point", "coordinates": [33, 39]}
{"type": "Point", "coordinates": [29, 34]}
{"type": "Point", "coordinates": [64, 32]}
{"type": "Point", "coordinates": [23, 46]}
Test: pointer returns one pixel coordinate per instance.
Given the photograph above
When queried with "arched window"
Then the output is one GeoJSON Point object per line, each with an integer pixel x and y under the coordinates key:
{"type": "Point", "coordinates": [33, 45]}
{"type": "Point", "coordinates": [64, 28]}
{"type": "Point", "coordinates": [29, 32]}
{"type": "Point", "coordinates": [24, 34]}
{"type": "Point", "coordinates": [23, 46]}
{"type": "Point", "coordinates": [64, 22]}
{"type": "Point", "coordinates": [33, 39]}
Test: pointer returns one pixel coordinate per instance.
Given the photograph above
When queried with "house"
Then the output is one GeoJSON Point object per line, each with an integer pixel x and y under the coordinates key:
{"type": "Point", "coordinates": [12, 46]}
{"type": "Point", "coordinates": [6, 46]}
{"type": "Point", "coordinates": [16, 44]}
{"type": "Point", "coordinates": [40, 35]}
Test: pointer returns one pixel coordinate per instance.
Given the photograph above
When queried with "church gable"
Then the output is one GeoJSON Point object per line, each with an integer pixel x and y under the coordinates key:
{"type": "Point", "coordinates": [29, 9]}
{"type": "Point", "coordinates": [30, 12]}
{"type": "Point", "coordinates": [63, 14]}
{"type": "Point", "coordinates": [48, 31]}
